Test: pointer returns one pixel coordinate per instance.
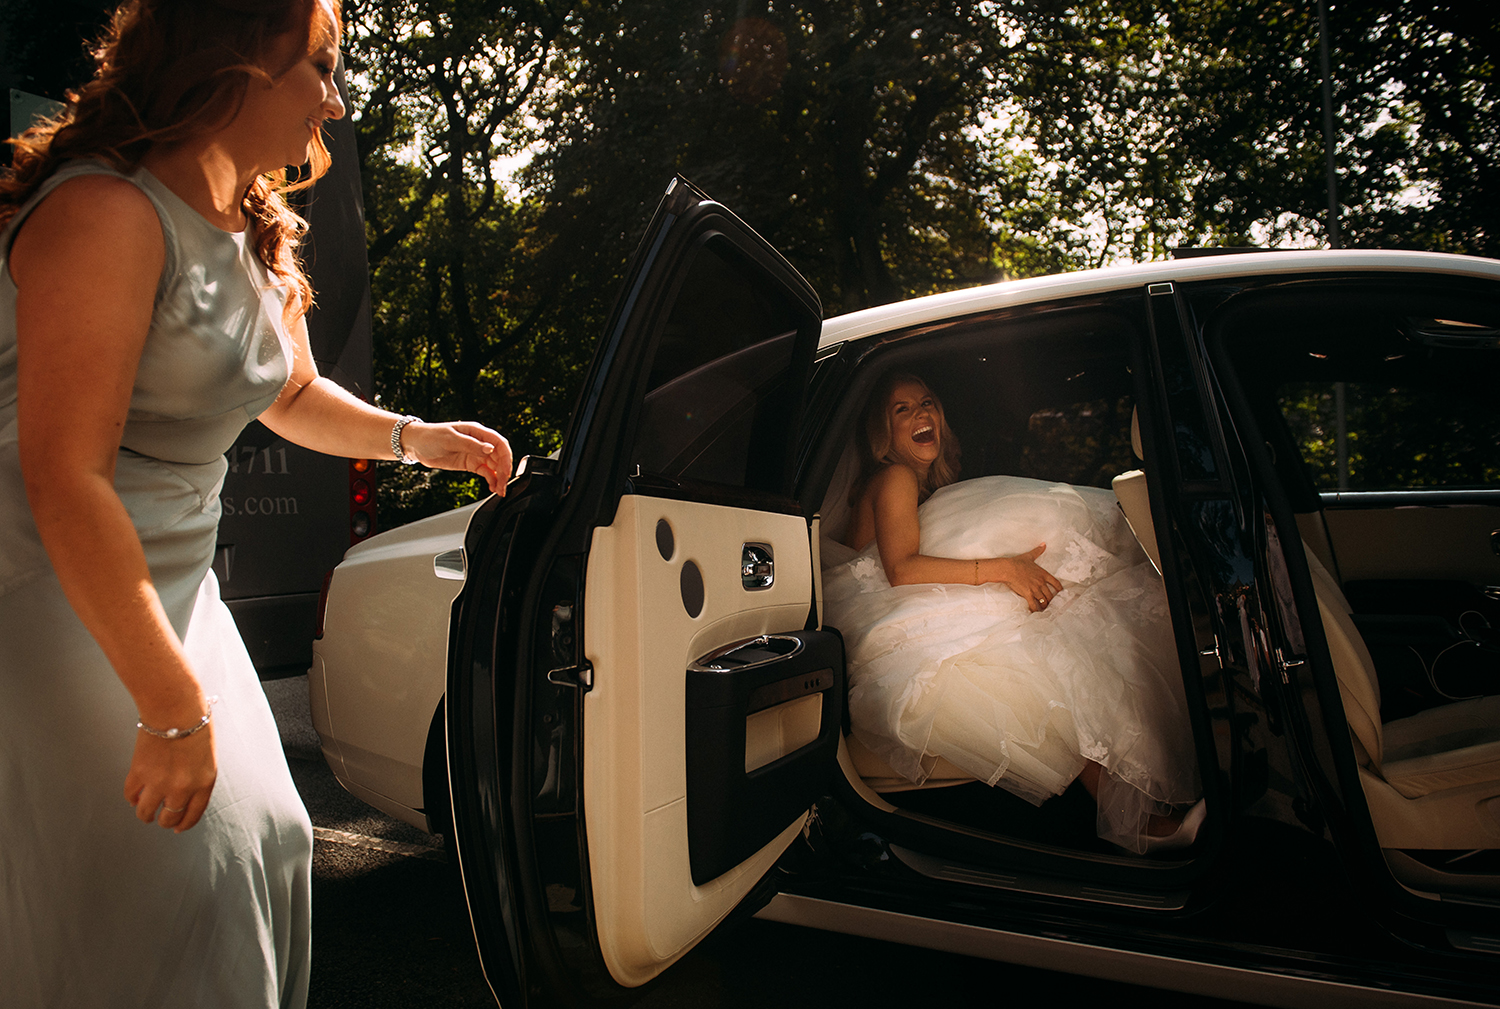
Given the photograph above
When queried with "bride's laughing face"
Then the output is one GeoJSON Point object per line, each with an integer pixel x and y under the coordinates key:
{"type": "Point", "coordinates": [916, 424]}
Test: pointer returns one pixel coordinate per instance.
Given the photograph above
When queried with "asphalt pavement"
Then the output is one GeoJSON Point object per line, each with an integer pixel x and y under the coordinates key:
{"type": "Point", "coordinates": [391, 930]}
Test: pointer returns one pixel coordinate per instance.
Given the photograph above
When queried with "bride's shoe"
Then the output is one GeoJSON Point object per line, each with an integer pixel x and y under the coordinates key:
{"type": "Point", "coordinates": [1185, 834]}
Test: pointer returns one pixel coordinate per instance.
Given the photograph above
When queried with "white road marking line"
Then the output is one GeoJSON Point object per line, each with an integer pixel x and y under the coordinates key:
{"type": "Point", "coordinates": [379, 844]}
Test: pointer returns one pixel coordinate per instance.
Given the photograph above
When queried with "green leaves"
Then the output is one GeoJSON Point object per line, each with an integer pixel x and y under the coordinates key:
{"type": "Point", "coordinates": [889, 148]}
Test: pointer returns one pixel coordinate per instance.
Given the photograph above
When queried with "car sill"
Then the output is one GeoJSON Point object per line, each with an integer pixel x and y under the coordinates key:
{"type": "Point", "coordinates": [956, 872]}
{"type": "Point", "coordinates": [1070, 957]}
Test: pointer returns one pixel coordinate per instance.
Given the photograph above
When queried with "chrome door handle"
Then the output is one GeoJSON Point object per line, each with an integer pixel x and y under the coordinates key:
{"type": "Point", "coordinates": [450, 564]}
{"type": "Point", "coordinates": [757, 566]}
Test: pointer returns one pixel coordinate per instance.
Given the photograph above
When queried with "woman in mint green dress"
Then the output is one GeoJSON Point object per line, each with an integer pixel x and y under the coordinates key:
{"type": "Point", "coordinates": [151, 305]}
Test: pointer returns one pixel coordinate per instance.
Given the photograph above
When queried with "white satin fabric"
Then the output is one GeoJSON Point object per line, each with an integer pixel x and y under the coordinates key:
{"type": "Point", "coordinates": [1021, 699]}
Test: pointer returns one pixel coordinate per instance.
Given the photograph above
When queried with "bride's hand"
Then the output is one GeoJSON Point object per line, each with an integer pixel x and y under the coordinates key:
{"type": "Point", "coordinates": [473, 448]}
{"type": "Point", "coordinates": [1028, 579]}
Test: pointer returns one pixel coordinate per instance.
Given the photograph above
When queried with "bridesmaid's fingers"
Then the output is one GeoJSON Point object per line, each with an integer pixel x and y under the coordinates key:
{"type": "Point", "coordinates": [147, 804]}
{"type": "Point", "coordinates": [194, 812]}
{"type": "Point", "coordinates": [173, 811]}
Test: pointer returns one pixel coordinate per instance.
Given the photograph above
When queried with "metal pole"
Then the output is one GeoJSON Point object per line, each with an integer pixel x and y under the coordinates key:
{"type": "Point", "coordinates": [1335, 239]}
{"type": "Point", "coordinates": [1341, 441]}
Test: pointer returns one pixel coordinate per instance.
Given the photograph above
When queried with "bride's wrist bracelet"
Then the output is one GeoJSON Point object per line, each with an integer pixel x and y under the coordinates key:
{"type": "Point", "coordinates": [180, 733]}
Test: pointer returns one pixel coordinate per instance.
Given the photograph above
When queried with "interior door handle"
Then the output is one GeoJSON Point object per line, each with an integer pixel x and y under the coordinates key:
{"type": "Point", "coordinates": [757, 566]}
{"type": "Point", "coordinates": [1495, 540]}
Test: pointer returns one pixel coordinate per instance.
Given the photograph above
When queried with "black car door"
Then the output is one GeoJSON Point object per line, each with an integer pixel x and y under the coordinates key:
{"type": "Point", "coordinates": [641, 707]}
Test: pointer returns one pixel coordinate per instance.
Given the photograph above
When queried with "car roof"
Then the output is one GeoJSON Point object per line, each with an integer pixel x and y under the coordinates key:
{"type": "Point", "coordinates": [1011, 293]}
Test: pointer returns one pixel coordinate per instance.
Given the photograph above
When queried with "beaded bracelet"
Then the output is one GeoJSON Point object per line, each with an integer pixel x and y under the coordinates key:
{"type": "Point", "coordinates": [179, 733]}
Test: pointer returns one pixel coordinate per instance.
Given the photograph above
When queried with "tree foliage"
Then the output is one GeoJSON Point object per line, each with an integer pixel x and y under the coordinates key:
{"type": "Point", "coordinates": [459, 301]}
{"type": "Point", "coordinates": [848, 133]}
{"type": "Point", "coordinates": [888, 147]}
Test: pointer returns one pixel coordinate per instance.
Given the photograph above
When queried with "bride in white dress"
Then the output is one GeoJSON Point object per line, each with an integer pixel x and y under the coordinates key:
{"type": "Point", "coordinates": [1011, 626]}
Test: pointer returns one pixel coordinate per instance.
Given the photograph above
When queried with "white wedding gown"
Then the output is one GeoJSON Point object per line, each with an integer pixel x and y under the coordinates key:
{"type": "Point", "coordinates": [1014, 698]}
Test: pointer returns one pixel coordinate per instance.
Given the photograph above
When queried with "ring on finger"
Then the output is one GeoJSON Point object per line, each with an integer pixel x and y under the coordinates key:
{"type": "Point", "coordinates": [169, 809]}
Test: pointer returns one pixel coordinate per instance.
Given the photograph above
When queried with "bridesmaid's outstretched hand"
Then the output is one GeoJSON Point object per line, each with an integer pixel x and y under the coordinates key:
{"type": "Point", "coordinates": [461, 445]}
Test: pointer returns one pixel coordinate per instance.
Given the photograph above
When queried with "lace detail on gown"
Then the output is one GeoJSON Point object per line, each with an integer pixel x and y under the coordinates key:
{"type": "Point", "coordinates": [1017, 699]}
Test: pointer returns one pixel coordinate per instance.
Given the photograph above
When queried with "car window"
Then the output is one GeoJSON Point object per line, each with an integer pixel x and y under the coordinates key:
{"type": "Point", "coordinates": [718, 404]}
{"type": "Point", "coordinates": [1084, 443]}
{"type": "Point", "coordinates": [1400, 434]}
{"type": "Point", "coordinates": [1370, 384]}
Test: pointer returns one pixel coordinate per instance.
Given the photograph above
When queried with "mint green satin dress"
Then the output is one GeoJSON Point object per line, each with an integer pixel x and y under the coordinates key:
{"type": "Point", "coordinates": [96, 908]}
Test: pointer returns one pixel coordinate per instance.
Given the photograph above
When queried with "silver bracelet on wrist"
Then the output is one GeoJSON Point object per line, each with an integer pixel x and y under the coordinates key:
{"type": "Point", "coordinates": [397, 449]}
{"type": "Point", "coordinates": [180, 733]}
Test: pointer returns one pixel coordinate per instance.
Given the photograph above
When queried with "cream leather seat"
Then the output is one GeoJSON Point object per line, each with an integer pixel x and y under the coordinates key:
{"type": "Point", "coordinates": [1130, 491]}
{"type": "Point", "coordinates": [881, 777]}
{"type": "Point", "coordinates": [1431, 780]}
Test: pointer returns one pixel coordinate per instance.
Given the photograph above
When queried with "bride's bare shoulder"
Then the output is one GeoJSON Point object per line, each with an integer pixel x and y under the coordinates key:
{"type": "Point", "coordinates": [892, 479]}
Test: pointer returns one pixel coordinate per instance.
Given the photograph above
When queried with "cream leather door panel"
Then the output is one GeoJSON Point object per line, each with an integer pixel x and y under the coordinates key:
{"type": "Point", "coordinates": [621, 777]}
{"type": "Point", "coordinates": [1414, 542]}
{"type": "Point", "coordinates": [641, 637]}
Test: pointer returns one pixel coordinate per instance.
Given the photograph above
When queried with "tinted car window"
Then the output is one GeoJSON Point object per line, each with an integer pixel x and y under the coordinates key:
{"type": "Point", "coordinates": [1080, 443]}
{"type": "Point", "coordinates": [718, 403]}
{"type": "Point", "coordinates": [1407, 370]}
{"type": "Point", "coordinates": [1399, 435]}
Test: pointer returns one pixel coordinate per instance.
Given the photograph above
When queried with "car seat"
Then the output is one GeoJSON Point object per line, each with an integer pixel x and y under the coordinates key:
{"type": "Point", "coordinates": [1432, 780]}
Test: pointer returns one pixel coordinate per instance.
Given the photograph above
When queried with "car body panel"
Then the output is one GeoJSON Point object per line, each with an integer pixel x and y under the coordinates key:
{"type": "Point", "coordinates": [385, 627]}
{"type": "Point", "coordinates": [1062, 286]}
{"type": "Point", "coordinates": [1109, 962]}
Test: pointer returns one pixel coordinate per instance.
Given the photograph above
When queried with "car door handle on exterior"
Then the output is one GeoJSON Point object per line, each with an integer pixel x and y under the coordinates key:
{"type": "Point", "coordinates": [450, 564]}
{"type": "Point", "coordinates": [757, 566]}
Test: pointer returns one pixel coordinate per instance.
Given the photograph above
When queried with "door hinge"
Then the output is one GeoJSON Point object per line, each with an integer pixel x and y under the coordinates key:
{"type": "Point", "coordinates": [580, 676]}
{"type": "Point", "coordinates": [568, 670]}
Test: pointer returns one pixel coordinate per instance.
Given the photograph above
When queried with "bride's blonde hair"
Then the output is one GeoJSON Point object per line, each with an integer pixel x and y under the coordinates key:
{"type": "Point", "coordinates": [875, 445]}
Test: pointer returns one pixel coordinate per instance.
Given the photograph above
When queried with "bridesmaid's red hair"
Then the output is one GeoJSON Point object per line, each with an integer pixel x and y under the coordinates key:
{"type": "Point", "coordinates": [170, 70]}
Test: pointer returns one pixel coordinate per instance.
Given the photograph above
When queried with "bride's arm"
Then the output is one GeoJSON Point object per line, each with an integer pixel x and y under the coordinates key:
{"type": "Point", "coordinates": [894, 492]}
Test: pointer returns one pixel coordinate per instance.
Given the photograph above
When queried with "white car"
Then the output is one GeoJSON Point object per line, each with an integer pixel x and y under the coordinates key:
{"type": "Point", "coordinates": [614, 691]}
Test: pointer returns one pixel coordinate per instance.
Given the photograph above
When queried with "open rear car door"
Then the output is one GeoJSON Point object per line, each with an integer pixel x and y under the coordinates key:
{"type": "Point", "coordinates": [641, 705]}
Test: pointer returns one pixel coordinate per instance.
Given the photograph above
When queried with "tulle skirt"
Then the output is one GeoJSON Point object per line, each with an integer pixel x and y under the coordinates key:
{"type": "Point", "coordinates": [1017, 699]}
